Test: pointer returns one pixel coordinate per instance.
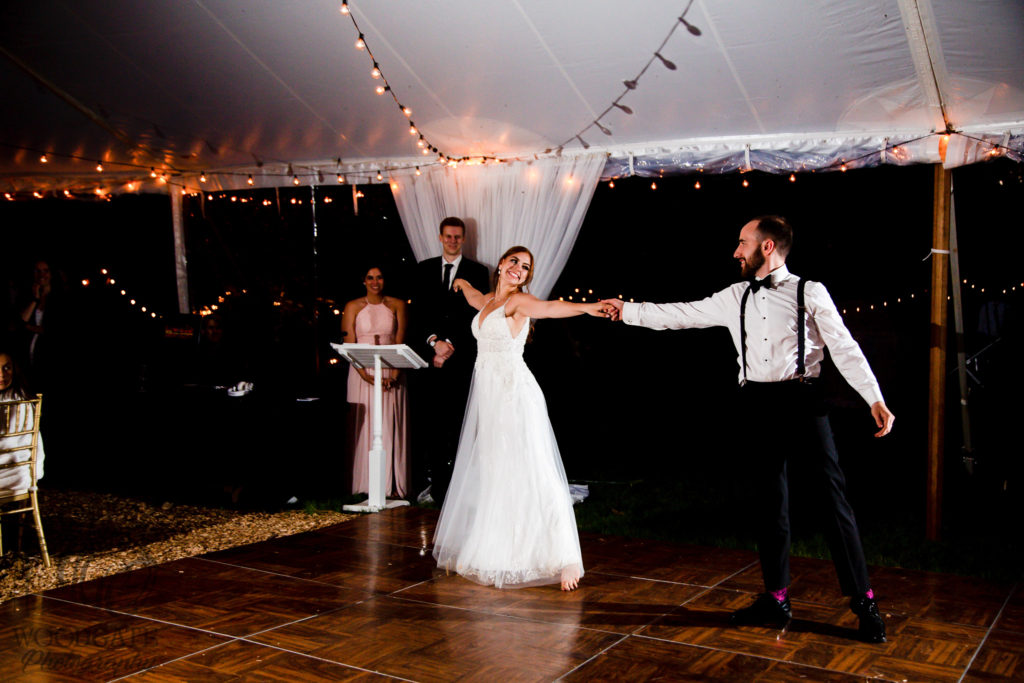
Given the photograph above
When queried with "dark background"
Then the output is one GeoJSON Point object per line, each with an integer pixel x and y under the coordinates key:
{"type": "Point", "coordinates": [627, 404]}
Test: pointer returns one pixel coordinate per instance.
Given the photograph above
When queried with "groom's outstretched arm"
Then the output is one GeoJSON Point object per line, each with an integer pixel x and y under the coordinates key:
{"type": "Point", "coordinates": [613, 307]}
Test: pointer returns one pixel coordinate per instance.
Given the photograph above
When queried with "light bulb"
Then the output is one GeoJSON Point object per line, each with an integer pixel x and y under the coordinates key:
{"type": "Point", "coordinates": [375, 73]}
{"type": "Point", "coordinates": [746, 183]}
{"type": "Point", "coordinates": [344, 7]}
{"type": "Point", "coordinates": [360, 43]}
{"type": "Point", "coordinates": [44, 159]}
{"type": "Point", "coordinates": [202, 177]}
{"type": "Point", "coordinates": [380, 176]}
{"type": "Point", "coordinates": [380, 89]}
{"type": "Point", "coordinates": [250, 180]}
{"type": "Point", "coordinates": [412, 129]}
{"type": "Point", "coordinates": [99, 168]}
{"type": "Point", "coordinates": [792, 177]}
{"type": "Point", "coordinates": [407, 111]}
{"type": "Point", "coordinates": [295, 180]}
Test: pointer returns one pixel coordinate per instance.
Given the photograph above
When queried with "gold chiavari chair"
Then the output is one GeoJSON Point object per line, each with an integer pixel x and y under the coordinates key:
{"type": "Point", "coordinates": [19, 447]}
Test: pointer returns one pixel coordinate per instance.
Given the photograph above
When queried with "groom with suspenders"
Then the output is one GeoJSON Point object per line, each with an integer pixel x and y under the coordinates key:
{"type": "Point", "coordinates": [782, 406]}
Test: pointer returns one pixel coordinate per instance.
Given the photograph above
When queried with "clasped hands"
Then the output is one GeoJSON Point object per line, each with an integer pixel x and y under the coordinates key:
{"type": "Point", "coordinates": [386, 383]}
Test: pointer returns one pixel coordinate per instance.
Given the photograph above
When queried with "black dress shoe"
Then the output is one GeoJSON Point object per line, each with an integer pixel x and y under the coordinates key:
{"type": "Point", "coordinates": [766, 611]}
{"type": "Point", "coordinates": [871, 628]}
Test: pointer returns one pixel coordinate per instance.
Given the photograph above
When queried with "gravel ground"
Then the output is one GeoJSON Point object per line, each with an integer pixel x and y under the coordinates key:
{"type": "Point", "coordinates": [90, 535]}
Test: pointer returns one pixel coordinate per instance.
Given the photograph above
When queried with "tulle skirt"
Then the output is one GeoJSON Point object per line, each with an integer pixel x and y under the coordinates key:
{"type": "Point", "coordinates": [507, 520]}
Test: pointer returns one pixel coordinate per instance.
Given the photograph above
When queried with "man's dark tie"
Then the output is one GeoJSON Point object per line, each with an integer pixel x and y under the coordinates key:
{"type": "Point", "coordinates": [447, 276]}
{"type": "Point", "coordinates": [756, 284]}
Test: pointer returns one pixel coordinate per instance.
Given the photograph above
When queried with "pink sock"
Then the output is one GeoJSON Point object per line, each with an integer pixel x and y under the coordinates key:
{"type": "Point", "coordinates": [870, 595]}
{"type": "Point", "coordinates": [780, 595]}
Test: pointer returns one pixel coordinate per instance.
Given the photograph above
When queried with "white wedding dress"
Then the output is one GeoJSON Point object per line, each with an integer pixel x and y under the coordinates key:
{"type": "Point", "coordinates": [507, 520]}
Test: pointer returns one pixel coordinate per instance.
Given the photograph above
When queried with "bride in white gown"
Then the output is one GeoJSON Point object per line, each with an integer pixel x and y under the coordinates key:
{"type": "Point", "coordinates": [507, 520]}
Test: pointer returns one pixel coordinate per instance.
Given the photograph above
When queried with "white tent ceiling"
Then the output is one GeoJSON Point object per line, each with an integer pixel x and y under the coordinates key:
{"type": "Point", "coordinates": [253, 86]}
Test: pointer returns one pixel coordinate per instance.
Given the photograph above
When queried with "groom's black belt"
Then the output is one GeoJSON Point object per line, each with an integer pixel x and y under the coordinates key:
{"type": "Point", "coordinates": [782, 382]}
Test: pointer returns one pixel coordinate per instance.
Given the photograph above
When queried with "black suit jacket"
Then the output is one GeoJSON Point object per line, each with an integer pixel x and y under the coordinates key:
{"type": "Point", "coordinates": [445, 313]}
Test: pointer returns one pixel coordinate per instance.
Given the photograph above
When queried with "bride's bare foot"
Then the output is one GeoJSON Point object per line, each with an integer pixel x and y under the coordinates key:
{"type": "Point", "coordinates": [570, 580]}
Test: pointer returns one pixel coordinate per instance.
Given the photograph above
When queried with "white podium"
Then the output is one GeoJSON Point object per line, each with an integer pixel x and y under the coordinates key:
{"type": "Point", "coordinates": [395, 356]}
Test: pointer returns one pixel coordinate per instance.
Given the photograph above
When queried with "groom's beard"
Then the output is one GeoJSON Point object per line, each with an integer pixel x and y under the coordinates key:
{"type": "Point", "coordinates": [748, 267]}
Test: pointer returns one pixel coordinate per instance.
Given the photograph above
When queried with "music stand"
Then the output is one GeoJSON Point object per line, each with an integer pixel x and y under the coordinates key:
{"type": "Point", "coordinates": [395, 356]}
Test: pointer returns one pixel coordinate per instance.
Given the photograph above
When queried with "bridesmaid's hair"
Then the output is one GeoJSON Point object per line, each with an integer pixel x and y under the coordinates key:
{"type": "Point", "coordinates": [370, 265]}
{"type": "Point", "coordinates": [529, 273]}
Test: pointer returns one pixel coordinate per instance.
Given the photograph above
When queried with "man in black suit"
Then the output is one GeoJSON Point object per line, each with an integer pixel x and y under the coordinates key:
{"type": "Point", "coordinates": [441, 334]}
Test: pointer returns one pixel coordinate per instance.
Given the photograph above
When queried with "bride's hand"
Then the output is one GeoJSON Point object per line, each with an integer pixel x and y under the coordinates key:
{"type": "Point", "coordinates": [598, 310]}
{"type": "Point", "coordinates": [458, 284]}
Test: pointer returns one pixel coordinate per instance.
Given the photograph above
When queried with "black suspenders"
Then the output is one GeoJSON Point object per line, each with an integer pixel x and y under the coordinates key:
{"type": "Point", "coordinates": [800, 309]}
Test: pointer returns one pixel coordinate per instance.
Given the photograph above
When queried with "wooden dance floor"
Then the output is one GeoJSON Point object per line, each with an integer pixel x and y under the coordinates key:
{"type": "Point", "coordinates": [362, 601]}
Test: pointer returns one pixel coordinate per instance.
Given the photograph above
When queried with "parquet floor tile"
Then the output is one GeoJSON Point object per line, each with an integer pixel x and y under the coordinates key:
{"type": "Point", "coordinates": [825, 637]}
{"type": "Point", "coordinates": [212, 596]}
{"type": "Point", "coordinates": [409, 526]}
{"type": "Point", "coordinates": [339, 560]}
{"type": "Point", "coordinates": [663, 561]}
{"type": "Point", "coordinates": [1001, 658]}
{"type": "Point", "coordinates": [46, 639]}
{"type": "Point", "coordinates": [608, 602]}
{"type": "Point", "coordinates": [1012, 618]}
{"type": "Point", "coordinates": [241, 660]}
{"type": "Point", "coordinates": [644, 659]}
{"type": "Point", "coordinates": [426, 642]}
{"type": "Point", "coordinates": [363, 601]}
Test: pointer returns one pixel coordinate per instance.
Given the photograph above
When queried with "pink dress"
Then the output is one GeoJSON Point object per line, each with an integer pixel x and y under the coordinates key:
{"type": "Point", "coordinates": [376, 324]}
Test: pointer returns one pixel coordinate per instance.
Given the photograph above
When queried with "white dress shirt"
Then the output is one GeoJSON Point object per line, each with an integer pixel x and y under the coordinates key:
{"type": "Point", "coordinates": [455, 268]}
{"type": "Point", "coordinates": [771, 330]}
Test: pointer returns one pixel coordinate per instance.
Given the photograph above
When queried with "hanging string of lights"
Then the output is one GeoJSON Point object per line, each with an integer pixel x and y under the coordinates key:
{"type": "Point", "coordinates": [631, 84]}
{"type": "Point", "coordinates": [115, 172]}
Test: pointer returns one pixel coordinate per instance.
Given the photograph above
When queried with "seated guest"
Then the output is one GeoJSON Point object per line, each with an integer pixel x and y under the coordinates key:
{"type": "Point", "coordinates": [12, 388]}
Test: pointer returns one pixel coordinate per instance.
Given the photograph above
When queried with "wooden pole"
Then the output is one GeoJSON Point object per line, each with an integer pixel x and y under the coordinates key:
{"type": "Point", "coordinates": [937, 352]}
{"type": "Point", "coordinates": [180, 261]}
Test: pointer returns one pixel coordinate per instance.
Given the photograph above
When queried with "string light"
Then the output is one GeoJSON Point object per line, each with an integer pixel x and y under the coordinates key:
{"type": "Point", "coordinates": [99, 168]}
{"type": "Point", "coordinates": [44, 159]}
{"type": "Point", "coordinates": [295, 180]}
{"type": "Point", "coordinates": [792, 177]}
{"type": "Point", "coordinates": [250, 180]}
{"type": "Point", "coordinates": [344, 7]}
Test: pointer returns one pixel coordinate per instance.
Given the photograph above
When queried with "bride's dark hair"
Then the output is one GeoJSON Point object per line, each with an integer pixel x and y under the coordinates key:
{"type": "Point", "coordinates": [529, 273]}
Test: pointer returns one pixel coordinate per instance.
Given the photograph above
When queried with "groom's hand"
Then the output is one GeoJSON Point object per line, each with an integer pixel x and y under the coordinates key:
{"type": "Point", "coordinates": [613, 307]}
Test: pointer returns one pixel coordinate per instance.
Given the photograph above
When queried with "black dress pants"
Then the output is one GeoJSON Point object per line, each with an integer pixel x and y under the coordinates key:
{"type": "Point", "coordinates": [792, 429]}
{"type": "Point", "coordinates": [438, 405]}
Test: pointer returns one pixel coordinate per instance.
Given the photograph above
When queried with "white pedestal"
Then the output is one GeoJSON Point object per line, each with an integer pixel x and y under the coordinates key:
{"type": "Point", "coordinates": [385, 356]}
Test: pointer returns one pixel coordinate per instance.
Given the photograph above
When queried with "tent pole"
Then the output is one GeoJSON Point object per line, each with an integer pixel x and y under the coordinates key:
{"type": "Point", "coordinates": [937, 352]}
{"type": "Point", "coordinates": [958, 323]}
{"type": "Point", "coordinates": [180, 262]}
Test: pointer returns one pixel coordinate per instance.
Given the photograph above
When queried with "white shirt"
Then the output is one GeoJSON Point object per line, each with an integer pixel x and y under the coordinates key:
{"type": "Point", "coordinates": [455, 267]}
{"type": "Point", "coordinates": [771, 330]}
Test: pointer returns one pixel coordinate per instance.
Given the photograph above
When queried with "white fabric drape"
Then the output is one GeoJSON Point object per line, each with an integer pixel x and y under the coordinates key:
{"type": "Point", "coordinates": [538, 204]}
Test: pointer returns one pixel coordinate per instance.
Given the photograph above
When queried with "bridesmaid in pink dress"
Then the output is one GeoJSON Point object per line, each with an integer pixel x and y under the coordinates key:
{"type": "Point", "coordinates": [377, 319]}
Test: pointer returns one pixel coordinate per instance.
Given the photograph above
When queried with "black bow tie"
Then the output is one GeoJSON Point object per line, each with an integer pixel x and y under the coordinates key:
{"type": "Point", "coordinates": [758, 284]}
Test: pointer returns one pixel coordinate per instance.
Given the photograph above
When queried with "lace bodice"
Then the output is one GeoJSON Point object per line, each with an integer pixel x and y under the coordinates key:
{"type": "Point", "coordinates": [494, 336]}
